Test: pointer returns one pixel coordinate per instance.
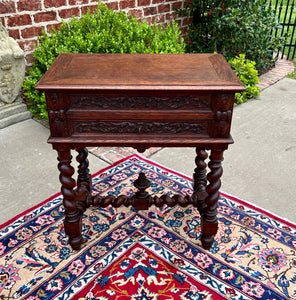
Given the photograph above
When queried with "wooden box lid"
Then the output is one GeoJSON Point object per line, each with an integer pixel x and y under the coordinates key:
{"type": "Point", "coordinates": [195, 72]}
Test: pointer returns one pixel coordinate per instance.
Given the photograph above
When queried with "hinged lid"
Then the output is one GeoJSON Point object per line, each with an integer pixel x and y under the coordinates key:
{"type": "Point", "coordinates": [80, 71]}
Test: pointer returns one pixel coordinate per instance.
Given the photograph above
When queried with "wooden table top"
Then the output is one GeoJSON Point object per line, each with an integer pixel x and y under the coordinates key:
{"type": "Point", "coordinates": [196, 72]}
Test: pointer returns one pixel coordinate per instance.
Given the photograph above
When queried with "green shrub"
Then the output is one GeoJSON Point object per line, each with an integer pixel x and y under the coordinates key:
{"type": "Point", "coordinates": [103, 31]}
{"type": "Point", "coordinates": [248, 75]}
{"type": "Point", "coordinates": [232, 27]}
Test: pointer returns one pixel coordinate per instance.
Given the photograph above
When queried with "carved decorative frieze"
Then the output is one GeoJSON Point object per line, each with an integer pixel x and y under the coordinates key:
{"type": "Point", "coordinates": [138, 102]}
{"type": "Point", "coordinates": [139, 127]}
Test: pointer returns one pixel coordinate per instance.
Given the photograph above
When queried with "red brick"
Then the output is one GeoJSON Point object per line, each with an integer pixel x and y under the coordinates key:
{"type": "Point", "coordinates": [31, 32]}
{"type": "Point", "coordinates": [127, 4]}
{"type": "Point", "coordinates": [184, 31]}
{"type": "Point", "coordinates": [15, 34]}
{"type": "Point", "coordinates": [111, 156]}
{"type": "Point", "coordinates": [179, 22]}
{"type": "Point", "coordinates": [149, 11]}
{"type": "Point", "coordinates": [30, 5]}
{"type": "Point", "coordinates": [164, 8]}
{"type": "Point", "coordinates": [98, 151]}
{"type": "Point", "coordinates": [50, 28]}
{"type": "Point", "coordinates": [145, 19]}
{"type": "Point", "coordinates": [45, 16]}
{"type": "Point", "coordinates": [19, 20]}
{"type": "Point", "coordinates": [136, 13]}
{"type": "Point", "coordinates": [113, 5]}
{"type": "Point", "coordinates": [85, 9]}
{"type": "Point", "coordinates": [28, 46]}
{"type": "Point", "coordinates": [29, 58]}
{"type": "Point", "coordinates": [78, 2]}
{"type": "Point", "coordinates": [170, 16]}
{"type": "Point", "coordinates": [7, 7]}
{"type": "Point", "coordinates": [158, 19]}
{"type": "Point", "coordinates": [186, 21]}
{"type": "Point", "coordinates": [157, 1]}
{"type": "Point", "coordinates": [144, 2]}
{"type": "Point", "coordinates": [54, 3]}
{"type": "Point", "coordinates": [177, 5]}
{"type": "Point", "coordinates": [69, 12]}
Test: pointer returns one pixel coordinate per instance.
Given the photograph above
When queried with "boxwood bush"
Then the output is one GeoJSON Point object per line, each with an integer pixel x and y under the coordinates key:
{"type": "Point", "coordinates": [103, 31]}
{"type": "Point", "coordinates": [248, 75]}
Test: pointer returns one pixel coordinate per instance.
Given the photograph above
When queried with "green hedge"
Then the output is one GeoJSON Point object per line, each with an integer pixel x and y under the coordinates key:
{"type": "Point", "coordinates": [103, 31]}
{"type": "Point", "coordinates": [248, 75]}
{"type": "Point", "coordinates": [233, 27]}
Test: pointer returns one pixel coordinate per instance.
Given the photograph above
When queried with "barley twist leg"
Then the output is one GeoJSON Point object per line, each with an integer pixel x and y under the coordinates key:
{"type": "Point", "coordinates": [84, 181]}
{"type": "Point", "coordinates": [209, 216]}
{"type": "Point", "coordinates": [73, 214]}
{"type": "Point", "coordinates": [200, 179]}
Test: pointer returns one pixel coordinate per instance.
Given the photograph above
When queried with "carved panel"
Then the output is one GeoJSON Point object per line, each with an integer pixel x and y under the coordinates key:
{"type": "Point", "coordinates": [56, 115]}
{"type": "Point", "coordinates": [139, 127]}
{"type": "Point", "coordinates": [52, 101]}
{"type": "Point", "coordinates": [224, 106]}
{"type": "Point", "coordinates": [138, 102]}
{"type": "Point", "coordinates": [224, 102]}
{"type": "Point", "coordinates": [223, 115]}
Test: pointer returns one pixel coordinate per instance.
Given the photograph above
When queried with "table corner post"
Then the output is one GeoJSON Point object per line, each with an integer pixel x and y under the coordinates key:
{"type": "Point", "coordinates": [209, 215]}
{"type": "Point", "coordinates": [73, 215]}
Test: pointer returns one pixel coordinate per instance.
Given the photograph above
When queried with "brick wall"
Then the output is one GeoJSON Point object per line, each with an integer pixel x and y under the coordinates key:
{"type": "Point", "coordinates": [24, 19]}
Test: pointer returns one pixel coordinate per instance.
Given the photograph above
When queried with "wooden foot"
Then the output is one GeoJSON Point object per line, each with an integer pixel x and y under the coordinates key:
{"type": "Point", "coordinates": [208, 234]}
{"type": "Point", "coordinates": [73, 214]}
{"type": "Point", "coordinates": [209, 215]}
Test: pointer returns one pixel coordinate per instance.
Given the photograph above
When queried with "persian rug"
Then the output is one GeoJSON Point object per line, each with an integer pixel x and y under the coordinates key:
{"type": "Point", "coordinates": [154, 254]}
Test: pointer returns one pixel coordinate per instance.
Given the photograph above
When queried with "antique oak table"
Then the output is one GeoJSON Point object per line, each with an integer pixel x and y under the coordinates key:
{"type": "Point", "coordinates": [142, 101]}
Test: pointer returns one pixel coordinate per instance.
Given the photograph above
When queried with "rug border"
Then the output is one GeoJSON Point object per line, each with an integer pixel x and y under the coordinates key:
{"type": "Point", "coordinates": [28, 210]}
{"type": "Point", "coordinates": [258, 208]}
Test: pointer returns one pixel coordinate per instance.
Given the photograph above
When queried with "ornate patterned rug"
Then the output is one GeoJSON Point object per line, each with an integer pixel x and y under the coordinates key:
{"type": "Point", "coordinates": [149, 255]}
